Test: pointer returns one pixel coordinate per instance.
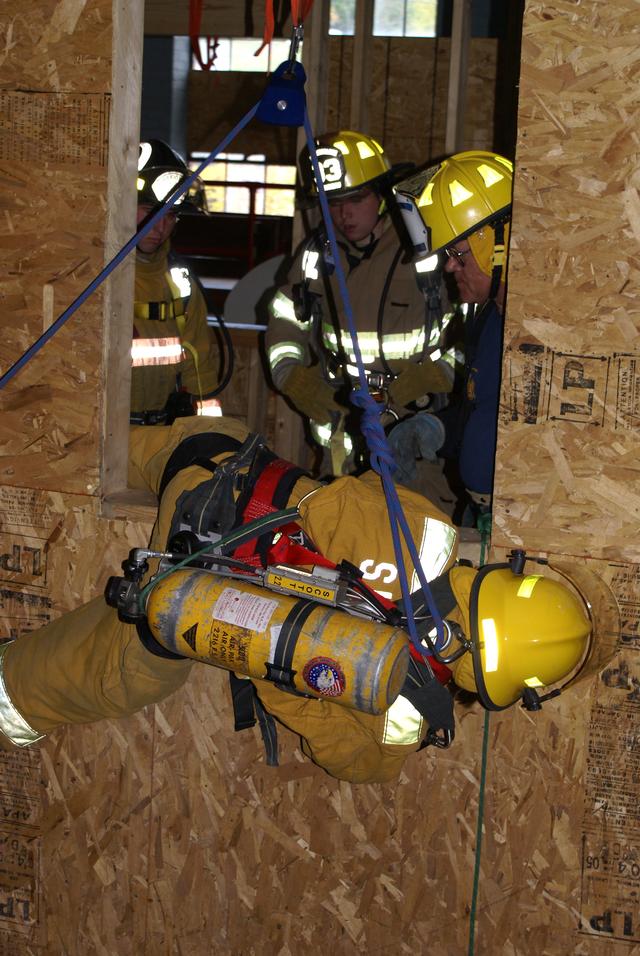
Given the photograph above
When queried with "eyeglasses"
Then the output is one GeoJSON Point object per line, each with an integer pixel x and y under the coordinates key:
{"type": "Point", "coordinates": [457, 254]}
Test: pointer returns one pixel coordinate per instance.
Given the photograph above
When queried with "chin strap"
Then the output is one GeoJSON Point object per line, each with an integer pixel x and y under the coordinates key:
{"type": "Point", "coordinates": [497, 260]}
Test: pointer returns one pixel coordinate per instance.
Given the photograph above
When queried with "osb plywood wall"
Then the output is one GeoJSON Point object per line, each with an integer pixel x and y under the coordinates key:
{"type": "Point", "coordinates": [166, 833]}
{"type": "Point", "coordinates": [408, 91]}
{"type": "Point", "coordinates": [54, 114]}
{"type": "Point", "coordinates": [568, 478]}
{"type": "Point", "coordinates": [407, 94]}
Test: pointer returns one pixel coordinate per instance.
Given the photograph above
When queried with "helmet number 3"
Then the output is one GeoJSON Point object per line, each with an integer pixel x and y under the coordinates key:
{"type": "Point", "coordinates": [331, 170]}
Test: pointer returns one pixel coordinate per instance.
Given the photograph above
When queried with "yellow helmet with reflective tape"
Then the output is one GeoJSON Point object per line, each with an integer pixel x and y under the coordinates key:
{"type": "Point", "coordinates": [468, 195]}
{"type": "Point", "coordinates": [348, 161]}
{"type": "Point", "coordinates": [526, 632]}
{"type": "Point", "coordinates": [467, 191]}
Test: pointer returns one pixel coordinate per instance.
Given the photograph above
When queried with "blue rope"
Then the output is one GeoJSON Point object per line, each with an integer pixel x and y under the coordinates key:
{"type": "Point", "coordinates": [35, 347]}
{"type": "Point", "coordinates": [382, 460]}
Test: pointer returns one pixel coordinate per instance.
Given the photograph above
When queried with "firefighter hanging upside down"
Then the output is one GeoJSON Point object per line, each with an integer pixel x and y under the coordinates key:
{"type": "Point", "coordinates": [307, 610]}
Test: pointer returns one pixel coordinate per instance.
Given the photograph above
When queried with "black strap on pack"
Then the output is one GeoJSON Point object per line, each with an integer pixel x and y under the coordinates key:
{"type": "Point", "coordinates": [247, 707]}
{"type": "Point", "coordinates": [443, 598]}
{"type": "Point", "coordinates": [432, 701]}
{"type": "Point", "coordinates": [155, 647]}
{"type": "Point", "coordinates": [279, 670]}
{"type": "Point", "coordinates": [196, 450]}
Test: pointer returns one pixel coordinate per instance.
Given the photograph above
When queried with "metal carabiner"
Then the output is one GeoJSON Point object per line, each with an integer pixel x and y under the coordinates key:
{"type": "Point", "coordinates": [297, 35]}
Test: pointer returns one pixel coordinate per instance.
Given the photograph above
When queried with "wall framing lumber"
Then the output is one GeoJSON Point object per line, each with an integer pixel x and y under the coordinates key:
{"type": "Point", "coordinates": [458, 67]}
{"type": "Point", "coordinates": [361, 67]}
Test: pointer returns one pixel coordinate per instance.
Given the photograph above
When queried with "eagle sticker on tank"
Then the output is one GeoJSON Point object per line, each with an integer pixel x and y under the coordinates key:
{"type": "Point", "coordinates": [325, 676]}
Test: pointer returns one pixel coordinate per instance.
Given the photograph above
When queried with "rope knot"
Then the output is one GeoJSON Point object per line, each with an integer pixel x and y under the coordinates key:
{"type": "Point", "coordinates": [374, 433]}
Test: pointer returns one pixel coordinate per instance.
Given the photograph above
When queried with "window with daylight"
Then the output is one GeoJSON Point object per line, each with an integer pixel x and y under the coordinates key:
{"type": "Point", "coordinates": [247, 185]}
{"type": "Point", "coordinates": [391, 18]}
{"type": "Point", "coordinates": [236, 54]}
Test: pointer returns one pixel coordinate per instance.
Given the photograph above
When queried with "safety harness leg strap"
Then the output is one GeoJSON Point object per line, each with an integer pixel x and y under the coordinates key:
{"type": "Point", "coordinates": [432, 701]}
{"type": "Point", "coordinates": [247, 708]}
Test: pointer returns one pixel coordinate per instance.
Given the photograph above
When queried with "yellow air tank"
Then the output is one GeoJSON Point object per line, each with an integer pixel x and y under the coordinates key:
{"type": "Point", "coordinates": [317, 650]}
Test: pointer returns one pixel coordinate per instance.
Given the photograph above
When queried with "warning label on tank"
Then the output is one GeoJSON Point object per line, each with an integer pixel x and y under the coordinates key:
{"type": "Point", "coordinates": [229, 646]}
{"type": "Point", "coordinates": [244, 610]}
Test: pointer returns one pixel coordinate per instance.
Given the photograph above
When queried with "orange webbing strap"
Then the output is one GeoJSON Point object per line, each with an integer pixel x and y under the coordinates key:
{"type": "Point", "coordinates": [299, 11]}
{"type": "Point", "coordinates": [195, 20]}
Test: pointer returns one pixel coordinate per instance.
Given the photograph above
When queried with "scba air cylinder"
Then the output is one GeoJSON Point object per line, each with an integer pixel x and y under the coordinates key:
{"type": "Point", "coordinates": [321, 651]}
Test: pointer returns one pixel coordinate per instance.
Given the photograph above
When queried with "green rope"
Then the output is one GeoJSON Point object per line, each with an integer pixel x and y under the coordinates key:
{"type": "Point", "coordinates": [476, 869]}
{"type": "Point", "coordinates": [484, 527]}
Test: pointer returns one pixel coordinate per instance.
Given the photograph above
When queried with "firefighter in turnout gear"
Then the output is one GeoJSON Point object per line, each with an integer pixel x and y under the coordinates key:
{"type": "Point", "coordinates": [396, 309]}
{"type": "Point", "coordinates": [173, 354]}
{"type": "Point", "coordinates": [464, 208]}
{"type": "Point", "coordinates": [96, 662]}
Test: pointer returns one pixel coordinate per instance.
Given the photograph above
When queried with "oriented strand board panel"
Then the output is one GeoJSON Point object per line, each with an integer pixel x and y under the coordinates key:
{"type": "Point", "coordinates": [408, 94]}
{"type": "Point", "coordinates": [57, 801]}
{"type": "Point", "coordinates": [568, 476]}
{"type": "Point", "coordinates": [55, 109]}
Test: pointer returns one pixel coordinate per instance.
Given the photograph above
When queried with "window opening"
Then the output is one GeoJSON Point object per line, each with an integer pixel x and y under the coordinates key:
{"type": "Point", "coordinates": [247, 185]}
{"type": "Point", "coordinates": [237, 54]}
{"type": "Point", "coordinates": [391, 18]}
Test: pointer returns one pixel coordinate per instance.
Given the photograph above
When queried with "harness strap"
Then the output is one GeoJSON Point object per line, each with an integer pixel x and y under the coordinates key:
{"type": "Point", "coordinates": [432, 701]}
{"type": "Point", "coordinates": [247, 706]}
{"type": "Point", "coordinates": [269, 492]}
{"type": "Point", "coordinates": [192, 450]}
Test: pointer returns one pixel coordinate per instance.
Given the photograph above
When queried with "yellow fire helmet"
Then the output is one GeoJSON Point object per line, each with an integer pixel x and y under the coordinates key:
{"type": "Point", "coordinates": [348, 160]}
{"type": "Point", "coordinates": [527, 631]}
{"type": "Point", "coordinates": [465, 196]}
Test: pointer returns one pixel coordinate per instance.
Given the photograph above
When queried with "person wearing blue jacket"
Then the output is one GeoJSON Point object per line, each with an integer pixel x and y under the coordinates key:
{"type": "Point", "coordinates": [464, 209]}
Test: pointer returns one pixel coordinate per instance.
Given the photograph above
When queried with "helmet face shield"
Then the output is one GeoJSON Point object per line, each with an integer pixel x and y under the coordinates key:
{"type": "Point", "coordinates": [527, 631]}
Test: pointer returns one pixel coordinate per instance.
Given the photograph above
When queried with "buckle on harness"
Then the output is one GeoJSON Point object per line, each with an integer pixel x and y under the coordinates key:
{"type": "Point", "coordinates": [279, 675]}
{"type": "Point", "coordinates": [442, 738]}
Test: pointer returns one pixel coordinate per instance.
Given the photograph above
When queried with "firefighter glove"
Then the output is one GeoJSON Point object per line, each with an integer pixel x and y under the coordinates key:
{"type": "Point", "coordinates": [420, 378]}
{"type": "Point", "coordinates": [310, 394]}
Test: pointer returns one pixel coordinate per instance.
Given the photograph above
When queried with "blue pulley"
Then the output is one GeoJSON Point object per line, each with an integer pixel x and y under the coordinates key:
{"type": "Point", "coordinates": [283, 101]}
